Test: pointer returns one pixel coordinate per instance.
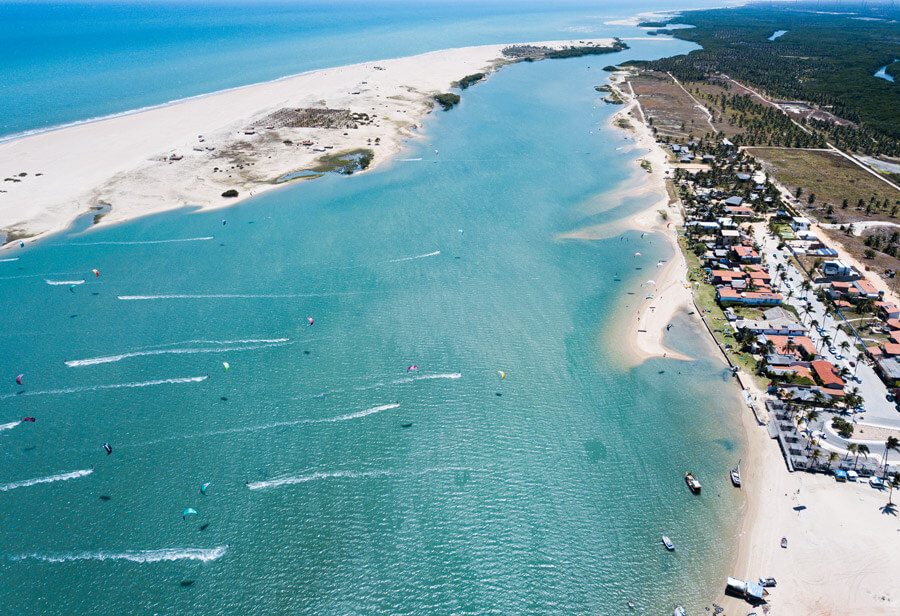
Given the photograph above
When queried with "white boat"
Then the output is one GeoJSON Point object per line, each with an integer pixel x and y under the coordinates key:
{"type": "Point", "coordinates": [668, 543]}
{"type": "Point", "coordinates": [736, 475]}
{"type": "Point", "coordinates": [679, 611]}
{"type": "Point", "coordinates": [875, 482]}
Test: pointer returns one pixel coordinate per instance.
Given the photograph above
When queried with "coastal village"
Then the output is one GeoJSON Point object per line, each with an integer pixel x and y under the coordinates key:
{"type": "Point", "coordinates": [811, 334]}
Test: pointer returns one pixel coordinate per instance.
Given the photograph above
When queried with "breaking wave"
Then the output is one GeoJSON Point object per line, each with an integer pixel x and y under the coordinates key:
{"type": "Point", "coordinates": [63, 282]}
{"type": "Point", "coordinates": [49, 479]}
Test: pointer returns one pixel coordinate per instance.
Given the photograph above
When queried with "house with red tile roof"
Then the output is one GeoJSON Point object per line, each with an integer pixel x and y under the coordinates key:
{"type": "Point", "coordinates": [826, 375]}
{"type": "Point", "coordinates": [799, 347]}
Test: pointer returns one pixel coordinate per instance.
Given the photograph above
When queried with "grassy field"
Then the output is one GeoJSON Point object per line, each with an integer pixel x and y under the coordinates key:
{"type": "Point", "coordinates": [672, 112]}
{"type": "Point", "coordinates": [832, 178]}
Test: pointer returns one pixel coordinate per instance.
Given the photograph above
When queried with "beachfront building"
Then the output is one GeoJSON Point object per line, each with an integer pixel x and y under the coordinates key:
{"type": "Point", "coordinates": [773, 323]}
{"type": "Point", "coordinates": [727, 296]}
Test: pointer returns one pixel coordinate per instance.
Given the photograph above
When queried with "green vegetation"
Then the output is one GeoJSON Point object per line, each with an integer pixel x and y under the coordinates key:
{"type": "Point", "coordinates": [345, 163]}
{"type": "Point", "coordinates": [827, 59]}
{"type": "Point", "coordinates": [230, 193]}
{"type": "Point", "coordinates": [531, 53]}
{"type": "Point", "coordinates": [469, 80]}
{"type": "Point", "coordinates": [447, 101]}
{"type": "Point", "coordinates": [645, 165]}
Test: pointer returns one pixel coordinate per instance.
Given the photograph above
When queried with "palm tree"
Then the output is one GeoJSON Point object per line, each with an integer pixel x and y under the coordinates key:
{"type": "Point", "coordinates": [814, 324]}
{"type": "Point", "coordinates": [805, 310]}
{"type": "Point", "coordinates": [861, 450]}
{"type": "Point", "coordinates": [895, 483]}
{"type": "Point", "coordinates": [891, 444]}
{"type": "Point", "coordinates": [826, 339]}
{"type": "Point", "coordinates": [806, 285]}
{"type": "Point", "coordinates": [851, 448]}
{"type": "Point", "coordinates": [845, 346]}
{"type": "Point", "coordinates": [833, 457]}
{"type": "Point", "coordinates": [815, 455]}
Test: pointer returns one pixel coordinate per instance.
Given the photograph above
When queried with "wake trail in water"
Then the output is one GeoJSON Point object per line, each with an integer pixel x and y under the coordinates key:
{"type": "Point", "coordinates": [9, 426]}
{"type": "Point", "coordinates": [298, 479]}
{"type": "Point", "coordinates": [430, 254]}
{"type": "Point", "coordinates": [409, 379]}
{"type": "Point", "coordinates": [144, 556]}
{"type": "Point", "coordinates": [87, 388]}
{"type": "Point", "coordinates": [49, 479]}
{"type": "Point", "coordinates": [272, 426]}
{"type": "Point", "coordinates": [133, 298]}
{"type": "Point", "coordinates": [8, 260]}
{"type": "Point", "coordinates": [140, 243]}
{"type": "Point", "coordinates": [107, 359]}
{"type": "Point", "coordinates": [63, 282]}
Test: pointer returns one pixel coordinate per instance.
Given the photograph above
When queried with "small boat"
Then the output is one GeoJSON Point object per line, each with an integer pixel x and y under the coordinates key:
{"type": "Point", "coordinates": [631, 604]}
{"type": "Point", "coordinates": [407, 424]}
{"type": "Point", "coordinates": [784, 542]}
{"type": "Point", "coordinates": [736, 475]}
{"type": "Point", "coordinates": [692, 483]}
{"type": "Point", "coordinates": [679, 611]}
{"type": "Point", "coordinates": [668, 543]}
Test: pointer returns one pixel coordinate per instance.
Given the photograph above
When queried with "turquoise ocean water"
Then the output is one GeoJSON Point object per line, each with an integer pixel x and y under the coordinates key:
{"type": "Point", "coordinates": [543, 493]}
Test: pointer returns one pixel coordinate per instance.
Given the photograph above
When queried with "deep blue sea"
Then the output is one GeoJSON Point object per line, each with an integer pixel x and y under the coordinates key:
{"type": "Point", "coordinates": [342, 481]}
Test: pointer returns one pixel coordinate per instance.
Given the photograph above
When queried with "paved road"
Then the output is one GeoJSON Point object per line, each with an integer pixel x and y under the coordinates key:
{"type": "Point", "coordinates": [878, 410]}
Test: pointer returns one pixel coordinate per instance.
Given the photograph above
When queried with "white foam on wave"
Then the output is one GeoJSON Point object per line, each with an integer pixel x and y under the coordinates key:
{"type": "Point", "coordinates": [107, 359]}
{"type": "Point", "coordinates": [298, 479]}
{"type": "Point", "coordinates": [143, 556]}
{"type": "Point", "coordinates": [49, 479]}
{"type": "Point", "coordinates": [63, 282]}
{"type": "Point", "coordinates": [133, 298]}
{"type": "Point", "coordinates": [9, 426]}
{"type": "Point", "coordinates": [140, 243]}
{"type": "Point", "coordinates": [430, 254]}
{"type": "Point", "coordinates": [409, 160]}
{"type": "Point", "coordinates": [8, 260]}
{"type": "Point", "coordinates": [86, 388]}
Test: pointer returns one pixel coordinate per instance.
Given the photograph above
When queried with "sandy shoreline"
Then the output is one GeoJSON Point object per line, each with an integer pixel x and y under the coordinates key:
{"type": "Point", "coordinates": [189, 153]}
{"type": "Point", "coordinates": [842, 543]}
{"type": "Point", "coordinates": [647, 325]}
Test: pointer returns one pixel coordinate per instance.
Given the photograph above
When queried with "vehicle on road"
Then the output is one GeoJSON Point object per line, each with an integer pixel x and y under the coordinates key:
{"type": "Point", "coordinates": [832, 350]}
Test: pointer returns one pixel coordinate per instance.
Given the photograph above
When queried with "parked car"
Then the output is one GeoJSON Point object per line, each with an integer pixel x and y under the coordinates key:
{"type": "Point", "coordinates": [832, 350]}
{"type": "Point", "coordinates": [890, 398]}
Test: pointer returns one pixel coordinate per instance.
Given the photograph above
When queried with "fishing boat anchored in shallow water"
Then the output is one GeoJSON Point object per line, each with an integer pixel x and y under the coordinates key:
{"type": "Point", "coordinates": [668, 543]}
{"type": "Point", "coordinates": [692, 482]}
{"type": "Point", "coordinates": [679, 611]}
{"type": "Point", "coordinates": [736, 475]}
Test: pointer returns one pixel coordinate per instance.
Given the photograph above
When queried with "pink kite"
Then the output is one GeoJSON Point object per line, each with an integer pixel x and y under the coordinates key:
{"type": "Point", "coordinates": [637, 254]}
{"type": "Point", "coordinates": [19, 379]}
{"type": "Point", "coordinates": [411, 368]}
{"type": "Point", "coordinates": [310, 319]}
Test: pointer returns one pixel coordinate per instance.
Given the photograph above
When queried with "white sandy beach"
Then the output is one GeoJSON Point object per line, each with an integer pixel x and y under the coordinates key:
{"type": "Point", "coordinates": [124, 161]}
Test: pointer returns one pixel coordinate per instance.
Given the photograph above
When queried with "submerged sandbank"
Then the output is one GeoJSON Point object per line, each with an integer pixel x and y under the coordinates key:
{"type": "Point", "coordinates": [237, 142]}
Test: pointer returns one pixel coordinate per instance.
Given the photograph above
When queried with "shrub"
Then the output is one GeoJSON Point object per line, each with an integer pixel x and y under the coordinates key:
{"type": "Point", "coordinates": [230, 193]}
{"type": "Point", "coordinates": [448, 100]}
